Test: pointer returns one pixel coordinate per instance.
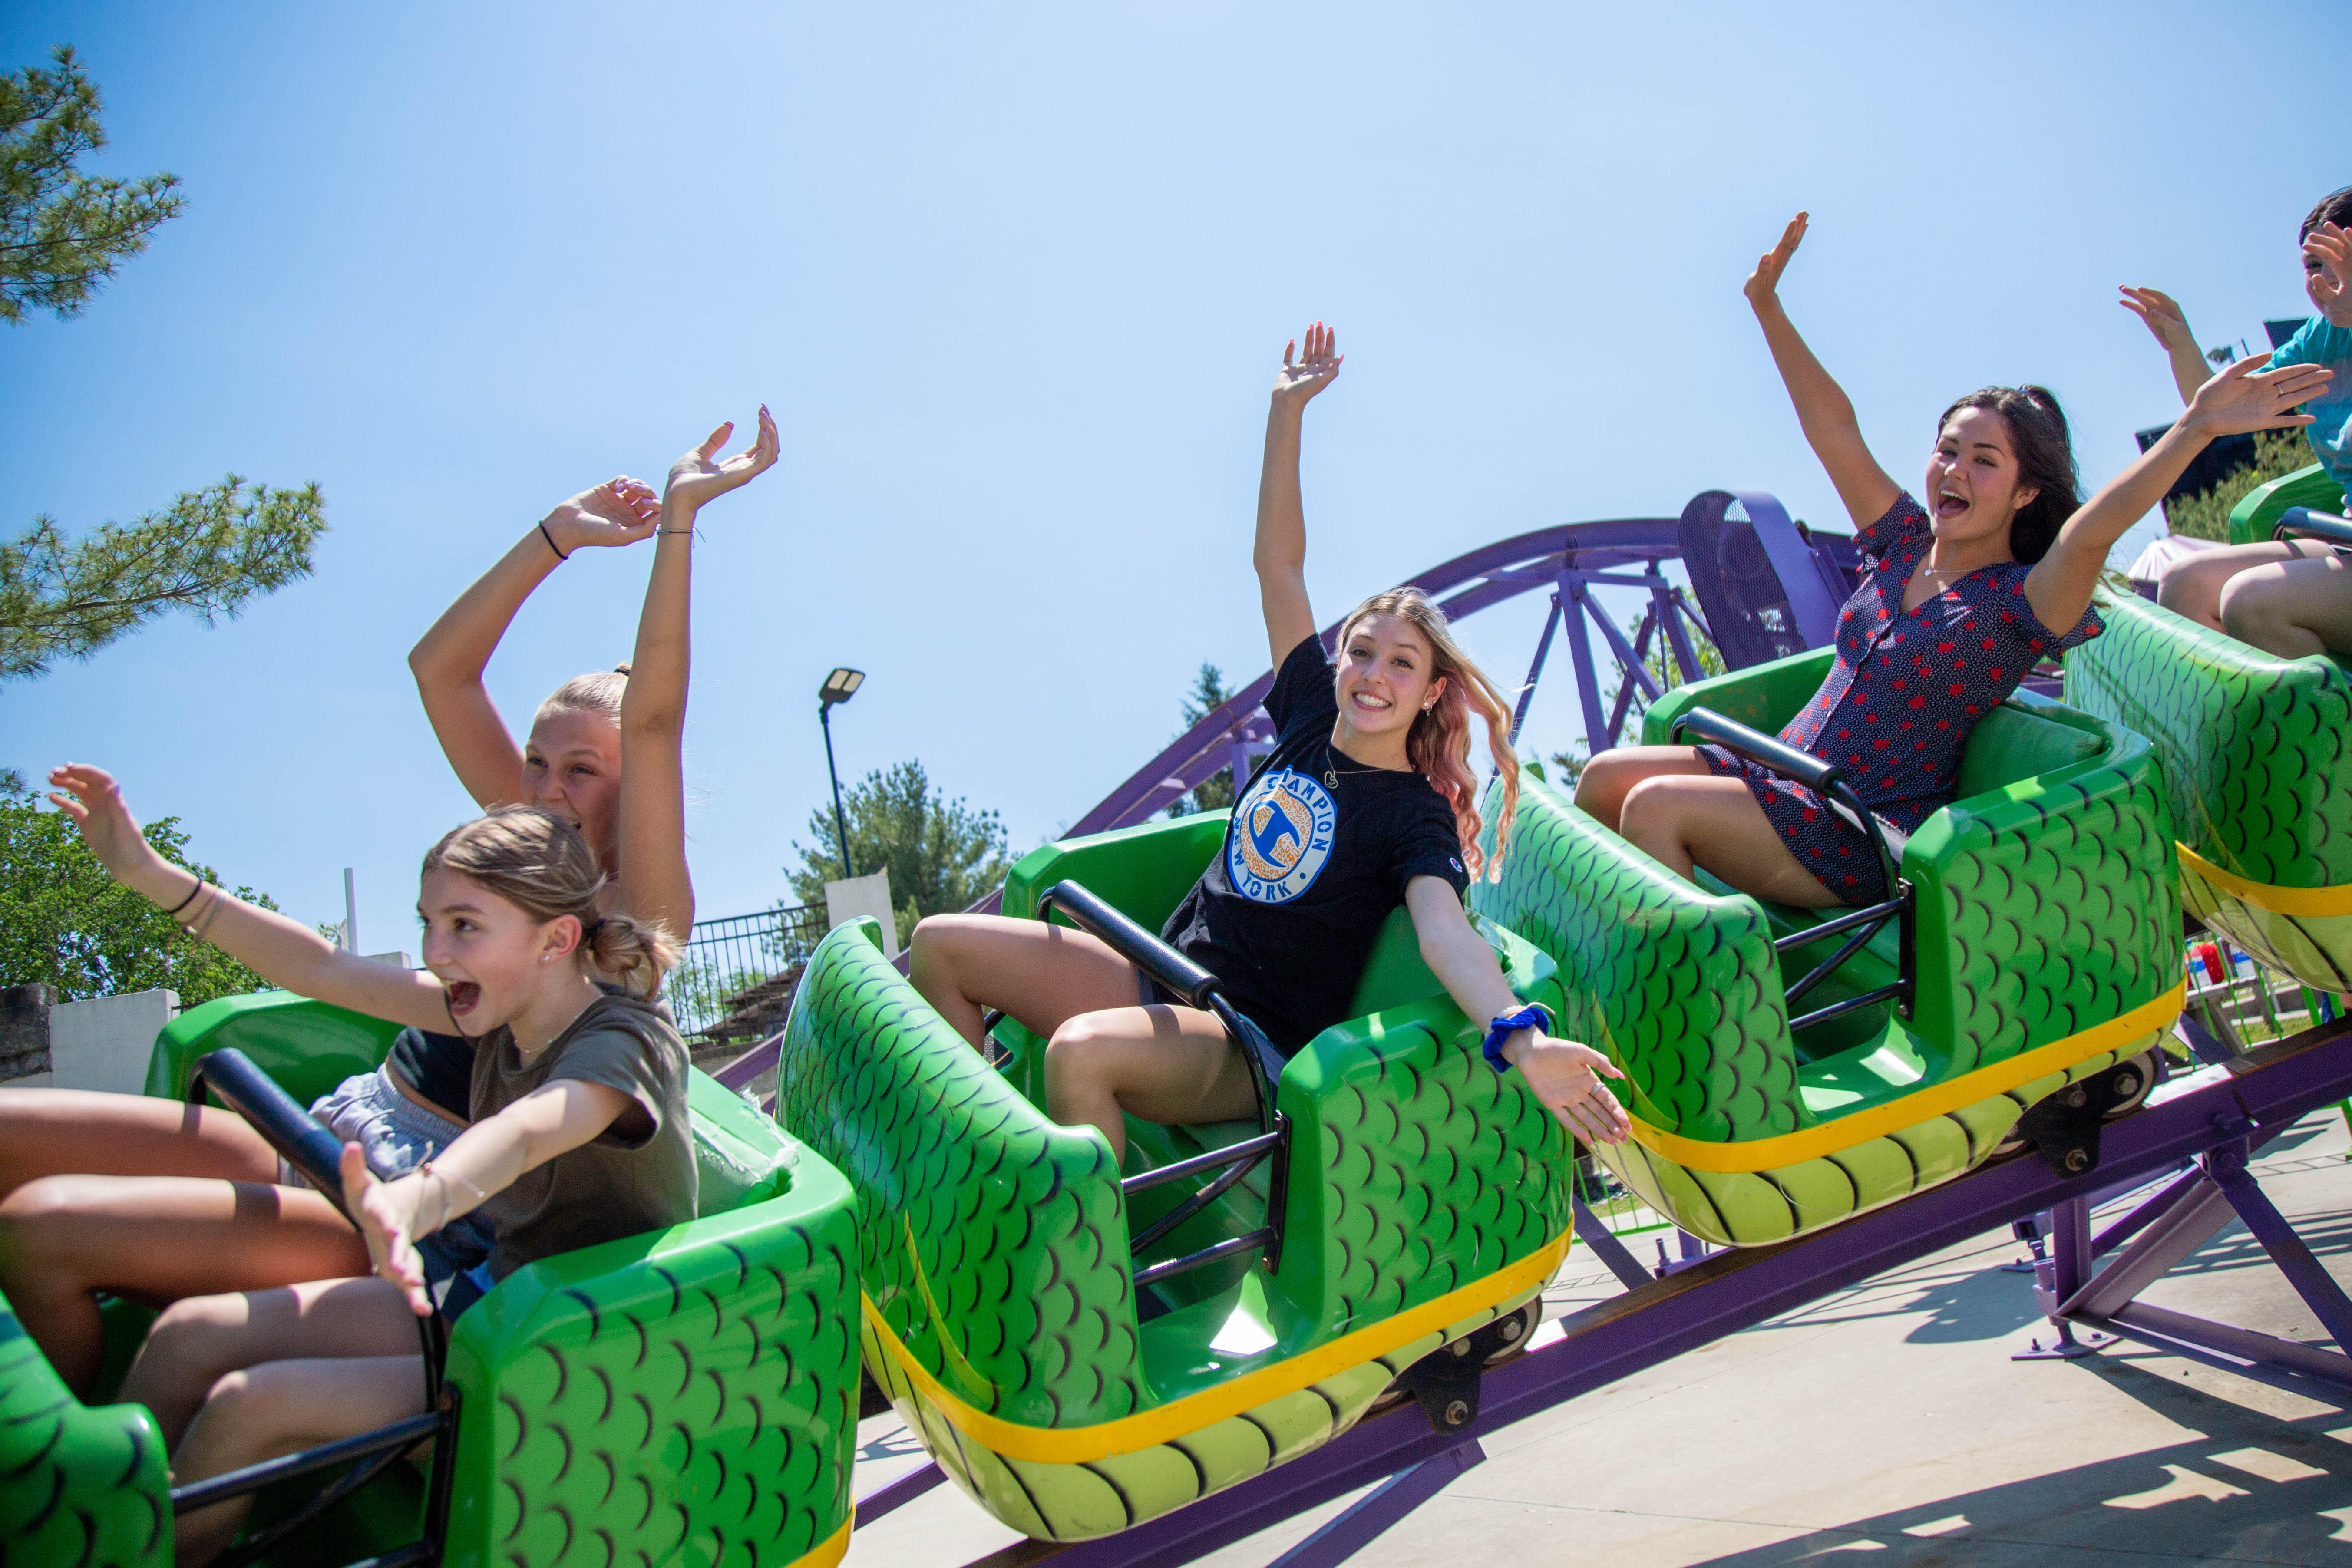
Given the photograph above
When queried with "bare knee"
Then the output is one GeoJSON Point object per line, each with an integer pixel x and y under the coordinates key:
{"type": "Point", "coordinates": [1651, 811]}
{"type": "Point", "coordinates": [1080, 1049]}
{"type": "Point", "coordinates": [38, 1225]}
{"type": "Point", "coordinates": [1603, 786]}
{"type": "Point", "coordinates": [2246, 611]}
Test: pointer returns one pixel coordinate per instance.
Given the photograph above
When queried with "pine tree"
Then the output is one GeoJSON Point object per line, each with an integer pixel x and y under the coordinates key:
{"type": "Point", "coordinates": [62, 234]}
{"type": "Point", "coordinates": [942, 855]}
{"type": "Point", "coordinates": [1209, 694]}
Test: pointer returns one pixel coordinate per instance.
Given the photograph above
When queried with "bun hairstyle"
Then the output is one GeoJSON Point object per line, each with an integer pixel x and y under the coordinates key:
{"type": "Point", "coordinates": [1438, 745]}
{"type": "Point", "coordinates": [2045, 462]}
{"type": "Point", "coordinates": [599, 692]}
{"type": "Point", "coordinates": [2335, 207]}
{"type": "Point", "coordinates": [540, 865]}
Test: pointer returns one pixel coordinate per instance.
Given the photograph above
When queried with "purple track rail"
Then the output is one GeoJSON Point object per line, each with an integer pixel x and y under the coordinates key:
{"type": "Point", "coordinates": [2212, 1120]}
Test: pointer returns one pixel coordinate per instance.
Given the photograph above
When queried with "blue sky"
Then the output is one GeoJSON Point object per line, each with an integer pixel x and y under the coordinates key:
{"type": "Point", "coordinates": [1015, 282]}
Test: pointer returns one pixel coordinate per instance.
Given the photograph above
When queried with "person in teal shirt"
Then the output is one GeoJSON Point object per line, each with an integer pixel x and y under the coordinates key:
{"type": "Point", "coordinates": [2292, 597]}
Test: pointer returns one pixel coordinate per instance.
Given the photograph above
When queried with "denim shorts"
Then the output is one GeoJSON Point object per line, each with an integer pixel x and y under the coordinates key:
{"type": "Point", "coordinates": [396, 1135]}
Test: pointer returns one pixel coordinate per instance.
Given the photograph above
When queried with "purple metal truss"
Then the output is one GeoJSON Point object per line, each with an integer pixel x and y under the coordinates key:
{"type": "Point", "coordinates": [2214, 1117]}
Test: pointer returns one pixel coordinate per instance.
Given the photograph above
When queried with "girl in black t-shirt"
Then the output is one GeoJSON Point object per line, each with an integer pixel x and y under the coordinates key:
{"type": "Point", "coordinates": [1367, 801]}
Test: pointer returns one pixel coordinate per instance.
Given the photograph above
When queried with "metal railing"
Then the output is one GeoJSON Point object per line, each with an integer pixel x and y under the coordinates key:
{"type": "Point", "coordinates": [728, 956]}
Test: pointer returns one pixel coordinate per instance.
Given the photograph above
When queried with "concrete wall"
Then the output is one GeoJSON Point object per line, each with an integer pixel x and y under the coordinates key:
{"type": "Point", "coordinates": [25, 1034]}
{"type": "Point", "coordinates": [105, 1043]}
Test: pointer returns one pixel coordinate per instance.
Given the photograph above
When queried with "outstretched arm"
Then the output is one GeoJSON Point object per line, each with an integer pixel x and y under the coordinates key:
{"type": "Point", "coordinates": [2162, 317]}
{"type": "Point", "coordinates": [1280, 554]}
{"type": "Point", "coordinates": [2242, 397]}
{"type": "Point", "coordinates": [1562, 1073]}
{"type": "Point", "coordinates": [489, 1157]}
{"type": "Point", "coordinates": [448, 661]}
{"type": "Point", "coordinates": [654, 883]}
{"type": "Point", "coordinates": [1823, 410]}
{"type": "Point", "coordinates": [283, 951]}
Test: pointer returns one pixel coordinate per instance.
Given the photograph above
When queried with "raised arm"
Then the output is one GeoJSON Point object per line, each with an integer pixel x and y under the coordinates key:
{"type": "Point", "coordinates": [1823, 410]}
{"type": "Point", "coordinates": [1280, 553]}
{"type": "Point", "coordinates": [1562, 1073]}
{"type": "Point", "coordinates": [489, 1157]}
{"type": "Point", "coordinates": [654, 883]}
{"type": "Point", "coordinates": [2166, 319]}
{"type": "Point", "coordinates": [2242, 397]}
{"type": "Point", "coordinates": [448, 661]}
{"type": "Point", "coordinates": [283, 951]}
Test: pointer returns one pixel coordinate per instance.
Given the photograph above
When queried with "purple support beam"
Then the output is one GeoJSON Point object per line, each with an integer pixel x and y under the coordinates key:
{"type": "Point", "coordinates": [894, 1495]}
{"type": "Point", "coordinates": [1390, 1501]}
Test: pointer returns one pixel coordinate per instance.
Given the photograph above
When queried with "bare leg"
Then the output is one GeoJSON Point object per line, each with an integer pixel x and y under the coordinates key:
{"type": "Point", "coordinates": [1607, 779]}
{"type": "Point", "coordinates": [57, 1131]}
{"type": "Point", "coordinates": [282, 1408]}
{"type": "Point", "coordinates": [2292, 608]}
{"type": "Point", "coordinates": [1163, 1064]}
{"type": "Point", "coordinates": [1041, 975]}
{"type": "Point", "coordinates": [2193, 587]}
{"type": "Point", "coordinates": [198, 1341]}
{"type": "Point", "coordinates": [1715, 821]}
{"type": "Point", "coordinates": [236, 1379]}
{"type": "Point", "coordinates": [155, 1240]}
{"type": "Point", "coordinates": [1103, 1055]}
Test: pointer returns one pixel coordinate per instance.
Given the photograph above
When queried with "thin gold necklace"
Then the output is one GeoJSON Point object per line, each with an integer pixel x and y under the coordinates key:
{"type": "Point", "coordinates": [1332, 770]}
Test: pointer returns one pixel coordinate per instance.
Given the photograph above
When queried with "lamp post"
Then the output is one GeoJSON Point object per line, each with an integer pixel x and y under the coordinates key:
{"type": "Point", "coordinates": [839, 686]}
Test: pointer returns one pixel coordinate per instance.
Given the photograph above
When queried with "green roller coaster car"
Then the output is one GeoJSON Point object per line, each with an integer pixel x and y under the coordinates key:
{"type": "Point", "coordinates": [2045, 949]}
{"type": "Point", "coordinates": [2257, 753]}
{"type": "Point", "coordinates": [1076, 1386]}
{"type": "Point", "coordinates": [685, 1396]}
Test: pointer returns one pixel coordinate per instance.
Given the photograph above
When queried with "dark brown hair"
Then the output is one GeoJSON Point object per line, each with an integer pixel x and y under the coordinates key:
{"type": "Point", "coordinates": [540, 864]}
{"type": "Point", "coordinates": [2045, 462]}
{"type": "Point", "coordinates": [2335, 207]}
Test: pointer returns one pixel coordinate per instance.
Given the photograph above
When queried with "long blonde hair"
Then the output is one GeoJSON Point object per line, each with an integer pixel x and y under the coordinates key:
{"type": "Point", "coordinates": [538, 863]}
{"type": "Point", "coordinates": [1438, 745]}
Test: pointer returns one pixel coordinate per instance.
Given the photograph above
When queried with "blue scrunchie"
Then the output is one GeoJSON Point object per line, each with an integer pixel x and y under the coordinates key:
{"type": "Point", "coordinates": [1533, 1017]}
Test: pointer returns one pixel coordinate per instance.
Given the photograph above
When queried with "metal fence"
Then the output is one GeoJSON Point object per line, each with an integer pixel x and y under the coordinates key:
{"type": "Point", "coordinates": [728, 956]}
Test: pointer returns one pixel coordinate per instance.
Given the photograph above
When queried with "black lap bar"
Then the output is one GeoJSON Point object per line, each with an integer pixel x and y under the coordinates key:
{"type": "Point", "coordinates": [1129, 940]}
{"type": "Point", "coordinates": [277, 1115]}
{"type": "Point", "coordinates": [2303, 523]}
{"type": "Point", "coordinates": [1770, 750]}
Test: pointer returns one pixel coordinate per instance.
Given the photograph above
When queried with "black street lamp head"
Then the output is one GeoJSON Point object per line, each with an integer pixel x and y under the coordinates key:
{"type": "Point", "coordinates": [839, 686]}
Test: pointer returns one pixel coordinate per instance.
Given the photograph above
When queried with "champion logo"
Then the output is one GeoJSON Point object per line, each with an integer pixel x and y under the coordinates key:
{"type": "Point", "coordinates": [1280, 837]}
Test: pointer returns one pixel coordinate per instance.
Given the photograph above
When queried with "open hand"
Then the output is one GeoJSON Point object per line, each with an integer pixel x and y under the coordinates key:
{"type": "Point", "coordinates": [1764, 284]}
{"type": "Point", "coordinates": [1566, 1077]}
{"type": "Point", "coordinates": [97, 807]}
{"type": "Point", "coordinates": [2328, 272]}
{"type": "Point", "coordinates": [2162, 316]}
{"type": "Point", "coordinates": [1314, 369]}
{"type": "Point", "coordinates": [2246, 397]}
{"type": "Point", "coordinates": [386, 1214]}
{"type": "Point", "coordinates": [618, 512]}
{"type": "Point", "coordinates": [702, 476]}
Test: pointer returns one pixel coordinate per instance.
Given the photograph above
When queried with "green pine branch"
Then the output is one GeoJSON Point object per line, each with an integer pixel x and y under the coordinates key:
{"type": "Point", "coordinates": [62, 232]}
{"type": "Point", "coordinates": [206, 554]}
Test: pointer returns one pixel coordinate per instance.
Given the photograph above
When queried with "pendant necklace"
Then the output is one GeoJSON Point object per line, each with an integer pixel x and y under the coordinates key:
{"type": "Point", "coordinates": [1332, 770]}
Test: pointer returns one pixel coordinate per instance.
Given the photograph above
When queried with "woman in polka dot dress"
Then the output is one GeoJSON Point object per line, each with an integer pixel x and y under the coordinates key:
{"type": "Point", "coordinates": [1956, 605]}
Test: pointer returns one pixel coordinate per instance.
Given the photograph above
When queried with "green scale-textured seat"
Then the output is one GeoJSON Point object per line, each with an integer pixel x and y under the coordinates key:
{"type": "Point", "coordinates": [1427, 1196]}
{"type": "Point", "coordinates": [2046, 947]}
{"type": "Point", "coordinates": [688, 1396]}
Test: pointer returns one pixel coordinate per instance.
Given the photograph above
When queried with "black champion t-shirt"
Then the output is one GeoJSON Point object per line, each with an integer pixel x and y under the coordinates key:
{"type": "Point", "coordinates": [1318, 852]}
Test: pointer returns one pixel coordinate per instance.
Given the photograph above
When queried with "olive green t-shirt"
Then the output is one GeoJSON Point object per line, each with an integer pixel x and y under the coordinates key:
{"type": "Point", "coordinates": [628, 1179]}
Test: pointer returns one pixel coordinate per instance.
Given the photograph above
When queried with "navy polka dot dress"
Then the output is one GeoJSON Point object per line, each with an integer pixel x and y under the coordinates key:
{"type": "Point", "coordinates": [1899, 703]}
